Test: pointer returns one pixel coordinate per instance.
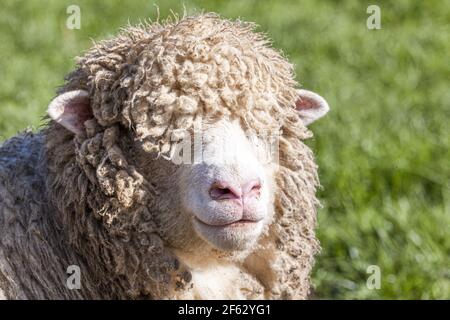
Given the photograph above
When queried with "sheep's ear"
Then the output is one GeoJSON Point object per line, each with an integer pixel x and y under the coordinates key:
{"type": "Point", "coordinates": [310, 106]}
{"type": "Point", "coordinates": [71, 109]}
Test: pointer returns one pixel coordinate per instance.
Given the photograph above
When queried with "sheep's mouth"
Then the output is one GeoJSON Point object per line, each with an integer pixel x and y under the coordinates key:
{"type": "Point", "coordinates": [234, 236]}
{"type": "Point", "coordinates": [233, 224]}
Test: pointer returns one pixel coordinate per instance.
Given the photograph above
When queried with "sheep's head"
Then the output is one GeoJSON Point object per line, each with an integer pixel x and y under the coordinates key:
{"type": "Point", "coordinates": [188, 135]}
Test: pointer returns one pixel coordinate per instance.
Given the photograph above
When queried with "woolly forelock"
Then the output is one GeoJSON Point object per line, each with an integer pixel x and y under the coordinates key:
{"type": "Point", "coordinates": [148, 84]}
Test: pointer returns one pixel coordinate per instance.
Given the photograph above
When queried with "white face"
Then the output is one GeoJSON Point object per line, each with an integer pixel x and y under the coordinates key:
{"type": "Point", "coordinates": [229, 193]}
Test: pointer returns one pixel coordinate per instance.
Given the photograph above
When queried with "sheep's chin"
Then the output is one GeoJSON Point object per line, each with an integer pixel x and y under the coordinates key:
{"type": "Point", "coordinates": [237, 236]}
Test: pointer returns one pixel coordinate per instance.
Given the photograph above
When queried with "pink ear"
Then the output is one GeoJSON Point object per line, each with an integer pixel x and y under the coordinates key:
{"type": "Point", "coordinates": [310, 106]}
{"type": "Point", "coordinates": [71, 109]}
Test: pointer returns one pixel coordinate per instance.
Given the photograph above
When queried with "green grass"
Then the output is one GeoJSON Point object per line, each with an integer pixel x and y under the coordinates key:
{"type": "Point", "coordinates": [383, 150]}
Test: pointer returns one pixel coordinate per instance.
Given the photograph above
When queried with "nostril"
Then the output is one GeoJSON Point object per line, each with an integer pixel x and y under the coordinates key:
{"type": "Point", "coordinates": [222, 191]}
{"type": "Point", "coordinates": [256, 188]}
{"type": "Point", "coordinates": [252, 188]}
{"type": "Point", "coordinates": [217, 192]}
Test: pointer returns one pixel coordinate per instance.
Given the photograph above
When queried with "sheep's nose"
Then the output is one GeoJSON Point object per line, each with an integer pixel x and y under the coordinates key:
{"type": "Point", "coordinates": [223, 190]}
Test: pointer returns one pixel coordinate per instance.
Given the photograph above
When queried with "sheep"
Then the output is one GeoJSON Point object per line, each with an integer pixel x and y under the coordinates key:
{"type": "Point", "coordinates": [99, 188]}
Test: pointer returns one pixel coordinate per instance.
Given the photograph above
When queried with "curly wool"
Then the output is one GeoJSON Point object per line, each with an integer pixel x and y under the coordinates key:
{"type": "Point", "coordinates": [149, 84]}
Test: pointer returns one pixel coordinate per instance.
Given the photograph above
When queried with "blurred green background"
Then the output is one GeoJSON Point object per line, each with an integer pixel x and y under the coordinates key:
{"type": "Point", "coordinates": [383, 150]}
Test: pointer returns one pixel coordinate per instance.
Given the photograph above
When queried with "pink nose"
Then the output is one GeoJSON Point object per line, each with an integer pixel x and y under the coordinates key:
{"type": "Point", "coordinates": [222, 190]}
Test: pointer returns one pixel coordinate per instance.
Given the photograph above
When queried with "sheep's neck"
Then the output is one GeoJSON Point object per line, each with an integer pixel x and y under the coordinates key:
{"type": "Point", "coordinates": [213, 279]}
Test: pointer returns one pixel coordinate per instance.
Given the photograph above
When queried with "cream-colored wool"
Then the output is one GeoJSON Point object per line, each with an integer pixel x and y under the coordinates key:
{"type": "Point", "coordinates": [84, 200]}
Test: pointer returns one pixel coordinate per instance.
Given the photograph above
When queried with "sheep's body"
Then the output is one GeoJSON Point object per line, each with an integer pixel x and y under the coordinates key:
{"type": "Point", "coordinates": [33, 255]}
{"type": "Point", "coordinates": [96, 201]}
{"type": "Point", "coordinates": [22, 209]}
{"type": "Point", "coordinates": [26, 245]}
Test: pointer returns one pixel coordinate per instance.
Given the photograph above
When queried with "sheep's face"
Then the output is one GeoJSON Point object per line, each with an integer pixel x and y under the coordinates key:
{"type": "Point", "coordinates": [227, 193]}
{"type": "Point", "coordinates": [215, 187]}
{"type": "Point", "coordinates": [222, 194]}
